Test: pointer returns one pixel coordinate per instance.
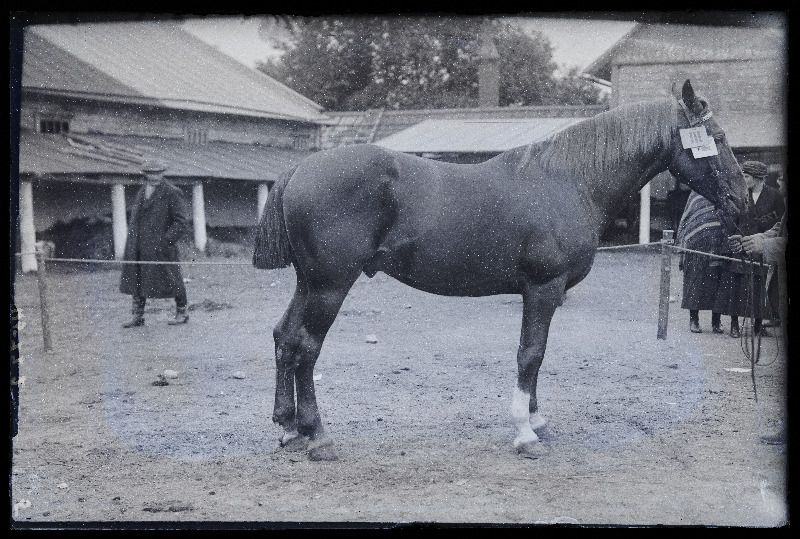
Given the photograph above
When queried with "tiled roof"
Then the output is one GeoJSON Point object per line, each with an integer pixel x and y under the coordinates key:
{"type": "Point", "coordinates": [158, 61]}
{"type": "Point", "coordinates": [467, 136]}
{"type": "Point", "coordinates": [91, 155]}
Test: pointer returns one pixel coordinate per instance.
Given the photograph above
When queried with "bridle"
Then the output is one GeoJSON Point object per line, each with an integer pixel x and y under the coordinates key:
{"type": "Point", "coordinates": [714, 164]}
{"type": "Point", "coordinates": [693, 120]}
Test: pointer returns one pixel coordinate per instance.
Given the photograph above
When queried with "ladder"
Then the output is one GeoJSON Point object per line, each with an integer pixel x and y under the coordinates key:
{"type": "Point", "coordinates": [360, 130]}
{"type": "Point", "coordinates": [365, 132]}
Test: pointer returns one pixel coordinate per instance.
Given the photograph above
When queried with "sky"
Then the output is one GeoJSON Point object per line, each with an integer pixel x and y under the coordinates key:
{"type": "Point", "coordinates": [576, 42]}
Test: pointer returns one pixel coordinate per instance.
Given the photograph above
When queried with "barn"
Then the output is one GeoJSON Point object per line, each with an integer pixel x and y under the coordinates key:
{"type": "Point", "coordinates": [99, 98]}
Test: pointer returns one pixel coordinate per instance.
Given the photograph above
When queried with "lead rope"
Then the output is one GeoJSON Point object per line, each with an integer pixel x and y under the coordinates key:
{"type": "Point", "coordinates": [754, 352]}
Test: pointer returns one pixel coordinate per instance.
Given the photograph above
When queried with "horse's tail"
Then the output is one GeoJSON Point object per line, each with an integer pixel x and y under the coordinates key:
{"type": "Point", "coordinates": [272, 248]}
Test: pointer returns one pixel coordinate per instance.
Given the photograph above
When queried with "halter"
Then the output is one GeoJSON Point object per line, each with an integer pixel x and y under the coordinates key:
{"type": "Point", "coordinates": [699, 120]}
{"type": "Point", "coordinates": [693, 120]}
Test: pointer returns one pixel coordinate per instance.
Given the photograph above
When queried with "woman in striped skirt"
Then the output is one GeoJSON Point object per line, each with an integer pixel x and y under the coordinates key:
{"type": "Point", "coordinates": [700, 230]}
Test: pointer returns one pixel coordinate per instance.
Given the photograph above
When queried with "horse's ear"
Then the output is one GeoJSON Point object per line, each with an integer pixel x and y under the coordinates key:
{"type": "Point", "coordinates": [678, 84]}
{"type": "Point", "coordinates": [690, 99]}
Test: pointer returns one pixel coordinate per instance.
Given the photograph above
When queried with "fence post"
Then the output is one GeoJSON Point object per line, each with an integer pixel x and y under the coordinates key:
{"type": "Point", "coordinates": [41, 277]}
{"type": "Point", "coordinates": [666, 268]}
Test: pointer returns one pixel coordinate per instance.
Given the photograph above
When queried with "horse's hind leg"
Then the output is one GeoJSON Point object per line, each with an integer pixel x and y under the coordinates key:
{"type": "Point", "coordinates": [320, 308]}
{"type": "Point", "coordinates": [539, 305]}
{"type": "Point", "coordinates": [284, 412]}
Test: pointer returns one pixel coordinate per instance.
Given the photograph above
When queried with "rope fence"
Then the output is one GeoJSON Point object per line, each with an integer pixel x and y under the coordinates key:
{"type": "Point", "coordinates": [99, 261]}
{"type": "Point", "coordinates": [666, 244]}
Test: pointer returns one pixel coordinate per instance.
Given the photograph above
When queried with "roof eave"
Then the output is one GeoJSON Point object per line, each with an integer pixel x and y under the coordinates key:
{"type": "Point", "coordinates": [173, 104]}
{"type": "Point", "coordinates": [602, 64]}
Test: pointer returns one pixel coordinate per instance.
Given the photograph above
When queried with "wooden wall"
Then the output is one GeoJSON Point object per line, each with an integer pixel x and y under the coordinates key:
{"type": "Point", "coordinates": [125, 119]}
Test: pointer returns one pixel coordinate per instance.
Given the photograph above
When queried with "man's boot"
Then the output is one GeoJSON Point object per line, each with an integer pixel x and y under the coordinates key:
{"type": "Point", "coordinates": [180, 318]}
{"type": "Point", "coordinates": [137, 308]}
{"type": "Point", "coordinates": [136, 321]}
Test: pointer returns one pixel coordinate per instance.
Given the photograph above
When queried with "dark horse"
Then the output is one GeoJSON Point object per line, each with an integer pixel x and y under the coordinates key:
{"type": "Point", "coordinates": [525, 222]}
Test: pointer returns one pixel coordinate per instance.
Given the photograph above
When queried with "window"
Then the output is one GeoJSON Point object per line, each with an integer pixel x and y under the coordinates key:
{"type": "Point", "coordinates": [300, 142]}
{"type": "Point", "coordinates": [53, 126]}
{"type": "Point", "coordinates": [195, 136]}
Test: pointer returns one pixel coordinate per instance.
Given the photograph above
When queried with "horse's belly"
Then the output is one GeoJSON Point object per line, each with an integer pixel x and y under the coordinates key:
{"type": "Point", "coordinates": [457, 285]}
{"type": "Point", "coordinates": [449, 271]}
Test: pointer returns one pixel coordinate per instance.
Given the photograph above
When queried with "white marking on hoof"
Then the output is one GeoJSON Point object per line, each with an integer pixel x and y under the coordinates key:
{"type": "Point", "coordinates": [520, 403]}
{"type": "Point", "coordinates": [537, 421]}
{"type": "Point", "coordinates": [525, 439]}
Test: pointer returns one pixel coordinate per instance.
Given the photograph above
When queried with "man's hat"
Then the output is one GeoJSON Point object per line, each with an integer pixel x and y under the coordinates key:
{"type": "Point", "coordinates": [153, 165]}
{"type": "Point", "coordinates": [757, 169]}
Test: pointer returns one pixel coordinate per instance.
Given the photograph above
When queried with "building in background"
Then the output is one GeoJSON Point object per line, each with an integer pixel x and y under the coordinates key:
{"type": "Point", "coordinates": [465, 135]}
{"type": "Point", "coordinates": [741, 70]}
{"type": "Point", "coordinates": [99, 98]}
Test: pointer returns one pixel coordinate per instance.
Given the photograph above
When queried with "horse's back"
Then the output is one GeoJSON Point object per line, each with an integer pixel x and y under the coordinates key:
{"type": "Point", "coordinates": [445, 228]}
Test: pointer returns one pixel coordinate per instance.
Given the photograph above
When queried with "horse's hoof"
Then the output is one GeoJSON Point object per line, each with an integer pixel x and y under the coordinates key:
{"type": "Point", "coordinates": [322, 450]}
{"type": "Point", "coordinates": [538, 421]}
{"type": "Point", "coordinates": [531, 450]}
{"type": "Point", "coordinates": [294, 442]}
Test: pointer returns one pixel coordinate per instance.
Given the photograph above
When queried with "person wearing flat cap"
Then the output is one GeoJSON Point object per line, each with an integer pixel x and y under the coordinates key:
{"type": "Point", "coordinates": [159, 219]}
{"type": "Point", "coordinates": [736, 296]}
{"type": "Point", "coordinates": [772, 245]}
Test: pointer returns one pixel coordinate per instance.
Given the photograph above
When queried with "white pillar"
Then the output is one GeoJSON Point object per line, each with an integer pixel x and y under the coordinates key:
{"type": "Point", "coordinates": [119, 222]}
{"type": "Point", "coordinates": [263, 192]}
{"type": "Point", "coordinates": [27, 231]}
{"type": "Point", "coordinates": [644, 214]}
{"type": "Point", "coordinates": [199, 216]}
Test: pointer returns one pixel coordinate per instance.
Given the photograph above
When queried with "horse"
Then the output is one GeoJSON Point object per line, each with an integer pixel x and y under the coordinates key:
{"type": "Point", "coordinates": [527, 221]}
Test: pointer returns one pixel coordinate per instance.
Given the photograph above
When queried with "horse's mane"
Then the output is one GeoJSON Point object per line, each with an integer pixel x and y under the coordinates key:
{"type": "Point", "coordinates": [606, 141]}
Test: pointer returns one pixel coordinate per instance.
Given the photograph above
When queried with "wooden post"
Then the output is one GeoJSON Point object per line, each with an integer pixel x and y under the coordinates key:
{"type": "Point", "coordinates": [27, 231]}
{"type": "Point", "coordinates": [263, 192]}
{"type": "Point", "coordinates": [666, 268]}
{"type": "Point", "coordinates": [119, 221]}
{"type": "Point", "coordinates": [41, 277]}
{"type": "Point", "coordinates": [199, 216]}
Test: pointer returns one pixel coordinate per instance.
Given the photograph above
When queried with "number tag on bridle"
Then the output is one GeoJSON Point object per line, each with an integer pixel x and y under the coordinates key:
{"type": "Point", "coordinates": [698, 140]}
{"type": "Point", "coordinates": [706, 150]}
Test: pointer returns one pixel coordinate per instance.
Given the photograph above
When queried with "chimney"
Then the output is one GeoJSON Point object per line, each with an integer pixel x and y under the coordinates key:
{"type": "Point", "coordinates": [488, 72]}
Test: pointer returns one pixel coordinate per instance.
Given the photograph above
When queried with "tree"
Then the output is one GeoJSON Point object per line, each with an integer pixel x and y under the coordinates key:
{"type": "Point", "coordinates": [403, 62]}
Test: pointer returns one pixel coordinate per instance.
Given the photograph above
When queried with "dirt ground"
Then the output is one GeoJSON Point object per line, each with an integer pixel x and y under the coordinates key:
{"type": "Point", "coordinates": [642, 431]}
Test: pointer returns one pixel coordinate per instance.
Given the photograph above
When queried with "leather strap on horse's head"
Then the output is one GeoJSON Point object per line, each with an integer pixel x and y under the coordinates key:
{"type": "Point", "coordinates": [697, 120]}
{"type": "Point", "coordinates": [693, 120]}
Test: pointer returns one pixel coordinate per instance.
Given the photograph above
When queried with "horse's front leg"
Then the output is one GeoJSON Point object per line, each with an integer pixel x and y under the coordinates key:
{"type": "Point", "coordinates": [539, 304]}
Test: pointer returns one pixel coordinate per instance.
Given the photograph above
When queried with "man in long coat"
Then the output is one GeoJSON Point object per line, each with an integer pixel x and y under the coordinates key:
{"type": "Point", "coordinates": [159, 218]}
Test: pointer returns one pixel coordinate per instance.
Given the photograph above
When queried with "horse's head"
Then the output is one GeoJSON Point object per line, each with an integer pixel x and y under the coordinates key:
{"type": "Point", "coordinates": [703, 160]}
